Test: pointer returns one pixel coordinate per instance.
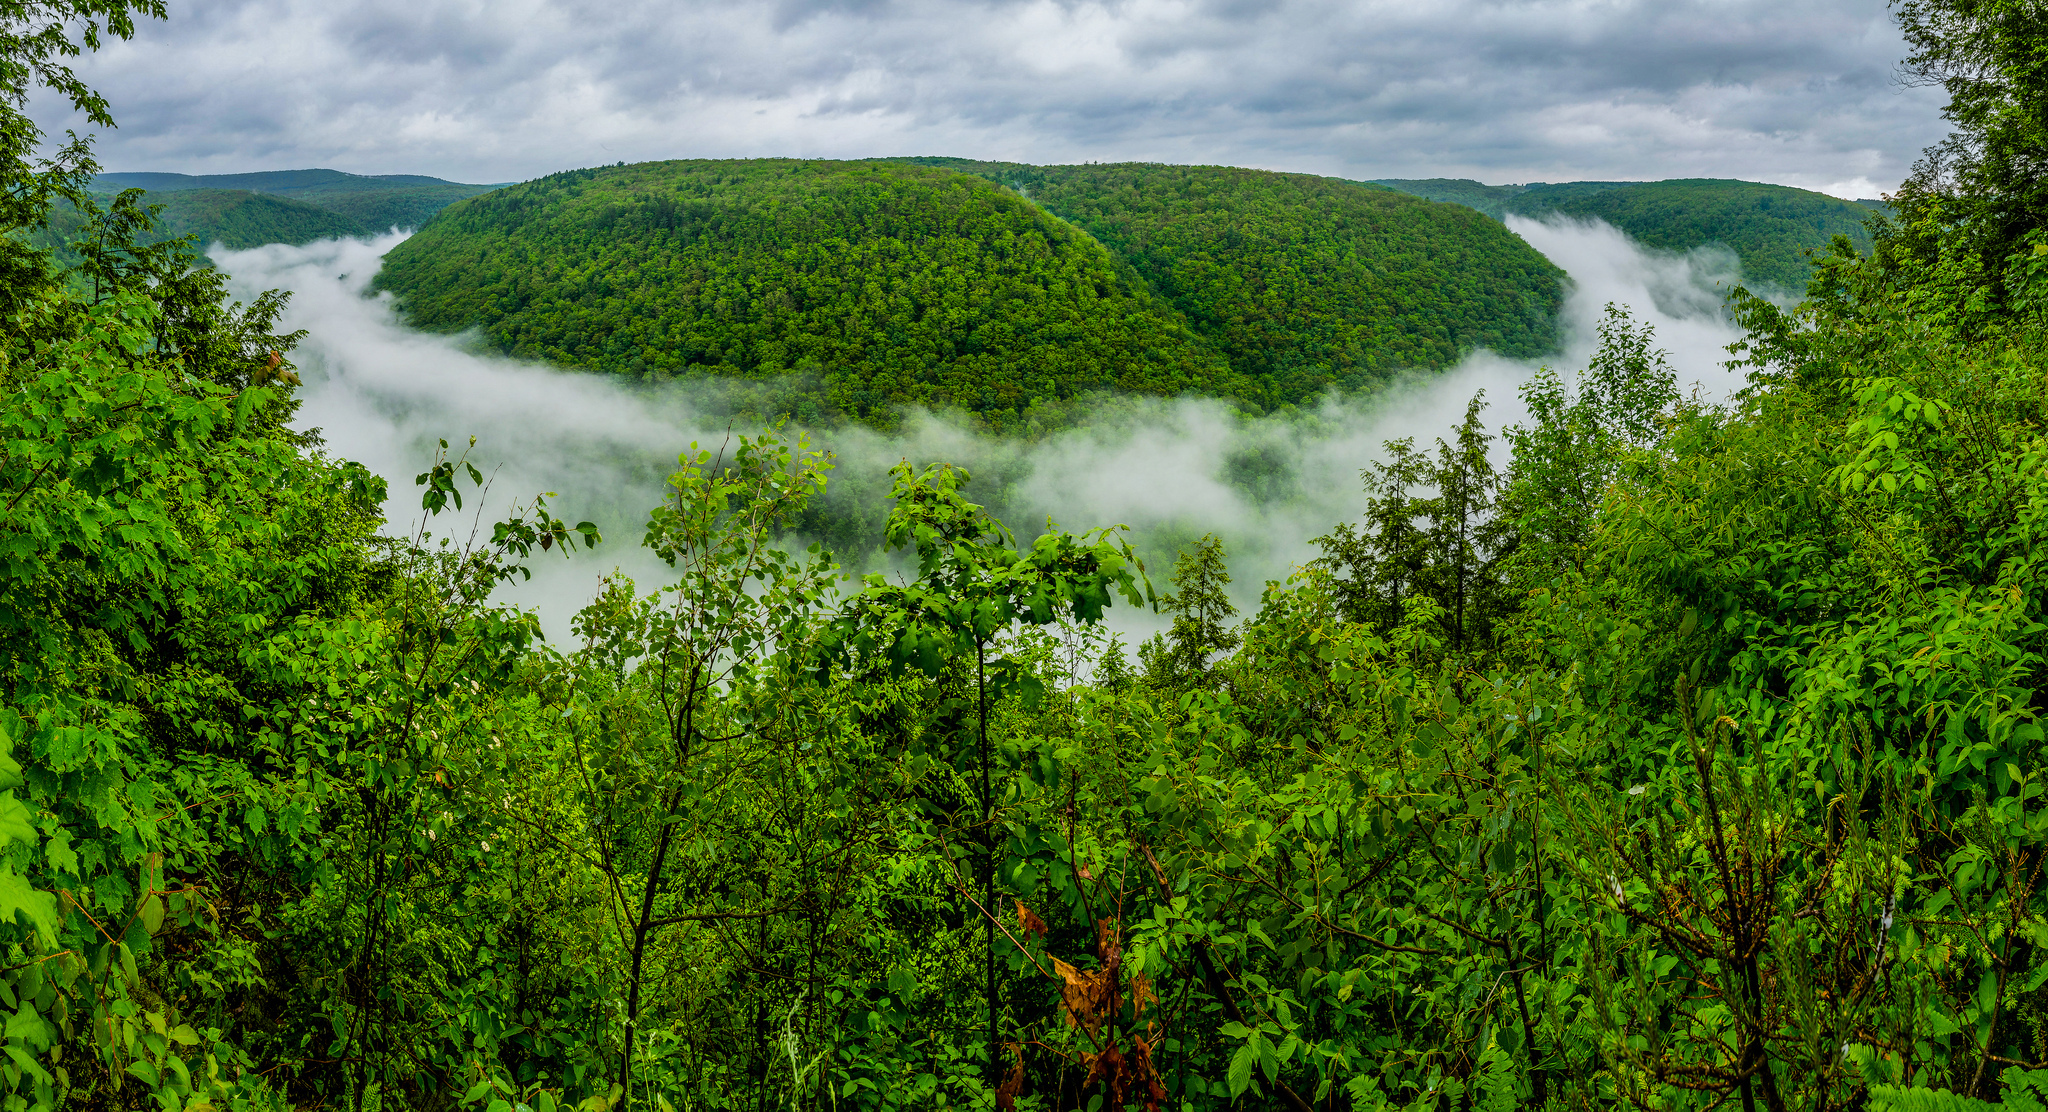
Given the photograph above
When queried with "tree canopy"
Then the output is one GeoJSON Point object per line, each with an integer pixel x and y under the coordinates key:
{"type": "Point", "coordinates": [1680, 755]}
{"type": "Point", "coordinates": [1773, 229]}
{"type": "Point", "coordinates": [1306, 282]}
{"type": "Point", "coordinates": [892, 282]}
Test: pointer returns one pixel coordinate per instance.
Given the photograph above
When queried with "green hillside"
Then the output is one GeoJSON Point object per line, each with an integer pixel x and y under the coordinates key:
{"type": "Point", "coordinates": [981, 285]}
{"type": "Point", "coordinates": [239, 220]}
{"type": "Point", "coordinates": [1458, 191]}
{"type": "Point", "coordinates": [1769, 227]}
{"type": "Point", "coordinates": [889, 283]}
{"type": "Point", "coordinates": [377, 202]}
{"type": "Point", "coordinates": [1305, 282]}
{"type": "Point", "coordinates": [233, 218]}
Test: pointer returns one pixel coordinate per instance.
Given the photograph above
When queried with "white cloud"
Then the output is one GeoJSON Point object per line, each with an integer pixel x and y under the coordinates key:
{"type": "Point", "coordinates": [383, 394]}
{"type": "Point", "coordinates": [1505, 91]}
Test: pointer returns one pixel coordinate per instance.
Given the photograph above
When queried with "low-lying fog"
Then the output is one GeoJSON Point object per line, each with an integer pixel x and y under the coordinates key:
{"type": "Point", "coordinates": [384, 394]}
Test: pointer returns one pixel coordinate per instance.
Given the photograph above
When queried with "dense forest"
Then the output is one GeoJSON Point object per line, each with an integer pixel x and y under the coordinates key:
{"type": "Point", "coordinates": [873, 284]}
{"type": "Point", "coordinates": [1305, 282]}
{"type": "Point", "coordinates": [235, 219]}
{"type": "Point", "coordinates": [891, 282]}
{"type": "Point", "coordinates": [240, 211]}
{"type": "Point", "coordinates": [1692, 756]}
{"type": "Point", "coordinates": [1773, 229]}
{"type": "Point", "coordinates": [378, 202]}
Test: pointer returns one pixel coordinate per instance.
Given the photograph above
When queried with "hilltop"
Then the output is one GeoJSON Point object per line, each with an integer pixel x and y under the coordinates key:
{"type": "Point", "coordinates": [977, 285]}
{"type": "Point", "coordinates": [376, 202]}
{"type": "Point", "coordinates": [235, 219]}
{"type": "Point", "coordinates": [1769, 227]}
{"type": "Point", "coordinates": [1304, 282]}
{"type": "Point", "coordinates": [878, 283]}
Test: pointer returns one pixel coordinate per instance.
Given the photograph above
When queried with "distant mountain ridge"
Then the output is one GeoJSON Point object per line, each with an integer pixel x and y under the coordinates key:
{"type": "Point", "coordinates": [373, 202]}
{"type": "Point", "coordinates": [1771, 228]}
{"type": "Point", "coordinates": [285, 182]}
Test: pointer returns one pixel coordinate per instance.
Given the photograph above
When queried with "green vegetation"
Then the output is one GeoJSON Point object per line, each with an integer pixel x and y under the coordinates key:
{"type": "Point", "coordinates": [237, 220]}
{"type": "Point", "coordinates": [377, 202]}
{"type": "Point", "coordinates": [1499, 200]}
{"type": "Point", "coordinates": [891, 282]}
{"type": "Point", "coordinates": [1304, 282]}
{"type": "Point", "coordinates": [884, 283]}
{"type": "Point", "coordinates": [241, 211]}
{"type": "Point", "coordinates": [1458, 191]}
{"type": "Point", "coordinates": [1693, 756]}
{"type": "Point", "coordinates": [1773, 229]}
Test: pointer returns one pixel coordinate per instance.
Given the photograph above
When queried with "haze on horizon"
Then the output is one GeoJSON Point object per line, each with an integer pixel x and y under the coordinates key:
{"type": "Point", "coordinates": [1550, 90]}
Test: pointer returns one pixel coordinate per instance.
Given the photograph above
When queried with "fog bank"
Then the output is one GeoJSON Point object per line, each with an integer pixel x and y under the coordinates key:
{"type": "Point", "coordinates": [384, 394]}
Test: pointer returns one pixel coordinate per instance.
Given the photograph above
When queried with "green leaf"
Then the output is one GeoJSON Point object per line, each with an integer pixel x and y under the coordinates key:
{"type": "Point", "coordinates": [15, 825]}
{"type": "Point", "coordinates": [1241, 1064]}
{"type": "Point", "coordinates": [18, 898]}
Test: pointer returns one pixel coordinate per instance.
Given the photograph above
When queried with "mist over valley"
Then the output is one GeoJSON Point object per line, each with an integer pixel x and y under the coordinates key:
{"type": "Point", "coordinates": [1173, 468]}
{"type": "Point", "coordinates": [1332, 556]}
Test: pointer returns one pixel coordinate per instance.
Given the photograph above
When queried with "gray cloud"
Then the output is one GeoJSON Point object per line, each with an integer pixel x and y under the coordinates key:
{"type": "Point", "coordinates": [1503, 91]}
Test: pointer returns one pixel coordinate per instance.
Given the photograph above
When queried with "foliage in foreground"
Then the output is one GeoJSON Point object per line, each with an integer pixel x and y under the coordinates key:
{"type": "Point", "coordinates": [1693, 757]}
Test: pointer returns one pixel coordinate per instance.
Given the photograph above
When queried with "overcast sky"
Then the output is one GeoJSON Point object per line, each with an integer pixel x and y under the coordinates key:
{"type": "Point", "coordinates": [1800, 92]}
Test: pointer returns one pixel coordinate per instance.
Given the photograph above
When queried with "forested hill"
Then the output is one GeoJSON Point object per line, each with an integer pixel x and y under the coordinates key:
{"type": "Point", "coordinates": [978, 285]}
{"type": "Point", "coordinates": [1303, 281]}
{"type": "Point", "coordinates": [377, 202]}
{"type": "Point", "coordinates": [879, 283]}
{"type": "Point", "coordinates": [233, 218]}
{"type": "Point", "coordinates": [1769, 227]}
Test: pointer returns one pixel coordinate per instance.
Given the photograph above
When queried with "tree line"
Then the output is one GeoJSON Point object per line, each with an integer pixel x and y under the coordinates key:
{"type": "Point", "coordinates": [1691, 757]}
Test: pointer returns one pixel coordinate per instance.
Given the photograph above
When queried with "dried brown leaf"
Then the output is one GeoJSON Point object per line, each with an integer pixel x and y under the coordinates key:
{"type": "Point", "coordinates": [1013, 1082]}
{"type": "Point", "coordinates": [1085, 993]}
{"type": "Point", "coordinates": [1029, 921]}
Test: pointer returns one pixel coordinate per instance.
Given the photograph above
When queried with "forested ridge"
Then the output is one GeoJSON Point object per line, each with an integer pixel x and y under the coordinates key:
{"type": "Point", "coordinates": [377, 202]}
{"type": "Point", "coordinates": [881, 284]}
{"type": "Point", "coordinates": [1306, 282]}
{"type": "Point", "coordinates": [1690, 760]}
{"type": "Point", "coordinates": [241, 211]}
{"type": "Point", "coordinates": [892, 283]}
{"type": "Point", "coordinates": [1774, 230]}
{"type": "Point", "coordinates": [234, 219]}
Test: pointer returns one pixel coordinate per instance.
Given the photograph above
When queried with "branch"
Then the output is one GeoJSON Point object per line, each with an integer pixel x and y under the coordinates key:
{"type": "Point", "coordinates": [1218, 986]}
{"type": "Point", "coordinates": [712, 916]}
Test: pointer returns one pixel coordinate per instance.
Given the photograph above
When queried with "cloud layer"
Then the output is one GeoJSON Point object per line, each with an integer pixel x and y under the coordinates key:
{"type": "Point", "coordinates": [383, 394]}
{"type": "Point", "coordinates": [1500, 90]}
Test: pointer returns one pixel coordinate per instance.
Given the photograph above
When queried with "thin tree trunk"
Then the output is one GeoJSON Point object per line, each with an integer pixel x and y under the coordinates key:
{"type": "Point", "coordinates": [988, 859]}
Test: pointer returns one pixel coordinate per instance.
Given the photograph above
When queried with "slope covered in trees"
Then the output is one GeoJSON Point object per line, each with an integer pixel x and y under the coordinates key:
{"type": "Point", "coordinates": [234, 219]}
{"type": "Point", "coordinates": [1771, 228]}
{"type": "Point", "coordinates": [1498, 200]}
{"type": "Point", "coordinates": [1690, 760]}
{"type": "Point", "coordinates": [240, 220]}
{"type": "Point", "coordinates": [1306, 282]}
{"type": "Point", "coordinates": [894, 283]}
{"type": "Point", "coordinates": [378, 202]}
{"type": "Point", "coordinates": [883, 283]}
